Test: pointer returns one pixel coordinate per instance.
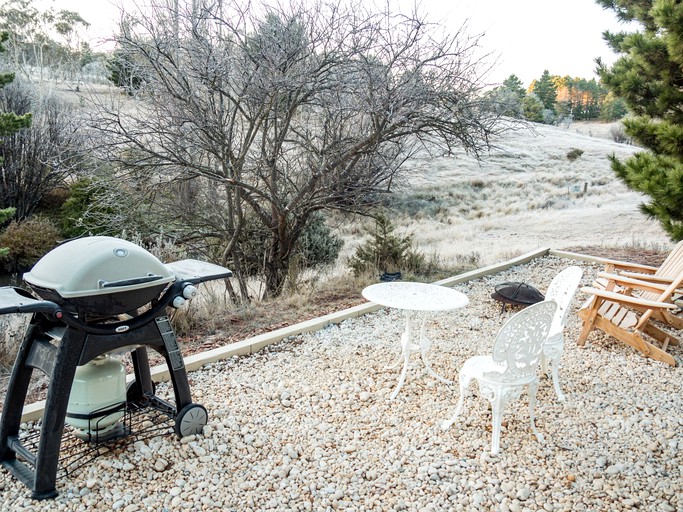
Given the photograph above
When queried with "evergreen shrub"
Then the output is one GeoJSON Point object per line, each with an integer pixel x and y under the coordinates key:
{"type": "Point", "coordinates": [27, 241]}
{"type": "Point", "coordinates": [386, 251]}
{"type": "Point", "coordinates": [317, 245]}
{"type": "Point", "coordinates": [619, 135]}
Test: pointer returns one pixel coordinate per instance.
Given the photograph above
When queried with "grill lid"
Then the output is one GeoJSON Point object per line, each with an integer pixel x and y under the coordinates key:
{"type": "Point", "coordinates": [98, 265]}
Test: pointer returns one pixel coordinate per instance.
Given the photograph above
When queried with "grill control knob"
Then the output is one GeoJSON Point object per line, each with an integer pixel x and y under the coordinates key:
{"type": "Point", "coordinates": [190, 292]}
{"type": "Point", "coordinates": [178, 302]}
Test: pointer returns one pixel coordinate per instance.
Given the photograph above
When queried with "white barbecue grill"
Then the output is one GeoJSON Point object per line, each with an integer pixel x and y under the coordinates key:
{"type": "Point", "coordinates": [99, 275]}
{"type": "Point", "coordinates": [98, 296]}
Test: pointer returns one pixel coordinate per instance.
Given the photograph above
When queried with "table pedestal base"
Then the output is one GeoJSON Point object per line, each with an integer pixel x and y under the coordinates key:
{"type": "Point", "coordinates": [408, 347]}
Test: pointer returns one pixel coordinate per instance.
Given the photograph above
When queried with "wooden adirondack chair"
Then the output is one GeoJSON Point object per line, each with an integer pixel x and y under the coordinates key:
{"type": "Point", "coordinates": [645, 282]}
{"type": "Point", "coordinates": [646, 290]}
{"type": "Point", "coordinates": [669, 270]}
{"type": "Point", "coordinates": [615, 311]}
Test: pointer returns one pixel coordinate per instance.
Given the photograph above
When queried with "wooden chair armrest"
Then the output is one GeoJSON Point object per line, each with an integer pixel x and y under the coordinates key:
{"type": "Point", "coordinates": [648, 277]}
{"type": "Point", "coordinates": [636, 284]}
{"type": "Point", "coordinates": [612, 265]}
{"type": "Point", "coordinates": [628, 299]}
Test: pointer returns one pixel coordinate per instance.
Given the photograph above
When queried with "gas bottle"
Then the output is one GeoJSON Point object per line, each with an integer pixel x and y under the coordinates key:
{"type": "Point", "coordinates": [98, 387]}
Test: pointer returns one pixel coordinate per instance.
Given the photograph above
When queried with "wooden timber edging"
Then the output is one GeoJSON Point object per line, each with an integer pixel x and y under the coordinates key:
{"type": "Point", "coordinates": [578, 256]}
{"type": "Point", "coordinates": [251, 345]}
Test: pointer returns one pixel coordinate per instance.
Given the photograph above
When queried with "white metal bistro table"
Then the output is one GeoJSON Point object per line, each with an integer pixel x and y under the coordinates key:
{"type": "Point", "coordinates": [415, 297]}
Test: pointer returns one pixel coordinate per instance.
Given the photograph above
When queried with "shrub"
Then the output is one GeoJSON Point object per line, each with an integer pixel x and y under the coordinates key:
{"type": "Point", "coordinates": [82, 213]}
{"type": "Point", "coordinates": [5, 215]}
{"type": "Point", "coordinates": [619, 135]}
{"type": "Point", "coordinates": [549, 116]}
{"type": "Point", "coordinates": [420, 205]}
{"type": "Point", "coordinates": [574, 153]}
{"type": "Point", "coordinates": [386, 251]}
{"type": "Point", "coordinates": [42, 157]}
{"type": "Point", "coordinates": [51, 203]}
{"type": "Point", "coordinates": [204, 313]}
{"type": "Point", "coordinates": [163, 247]}
{"type": "Point", "coordinates": [27, 242]}
{"type": "Point", "coordinates": [124, 73]}
{"type": "Point", "coordinates": [317, 245]}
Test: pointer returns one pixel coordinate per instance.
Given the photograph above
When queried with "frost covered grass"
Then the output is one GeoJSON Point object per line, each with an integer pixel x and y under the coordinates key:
{"type": "Point", "coordinates": [526, 193]}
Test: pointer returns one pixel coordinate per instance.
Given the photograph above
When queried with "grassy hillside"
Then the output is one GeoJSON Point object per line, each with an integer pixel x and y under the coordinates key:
{"type": "Point", "coordinates": [524, 194]}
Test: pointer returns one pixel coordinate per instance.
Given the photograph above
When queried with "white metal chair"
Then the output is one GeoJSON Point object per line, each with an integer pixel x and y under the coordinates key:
{"type": "Point", "coordinates": [512, 366]}
{"type": "Point", "coordinates": [562, 290]}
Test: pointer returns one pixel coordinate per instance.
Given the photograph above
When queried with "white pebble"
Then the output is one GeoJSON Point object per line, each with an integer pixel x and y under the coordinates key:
{"type": "Point", "coordinates": [307, 424]}
{"type": "Point", "coordinates": [524, 493]}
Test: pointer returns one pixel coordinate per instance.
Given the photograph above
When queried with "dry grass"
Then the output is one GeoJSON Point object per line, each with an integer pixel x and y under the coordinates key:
{"type": "Point", "coordinates": [525, 194]}
{"type": "Point", "coordinates": [12, 329]}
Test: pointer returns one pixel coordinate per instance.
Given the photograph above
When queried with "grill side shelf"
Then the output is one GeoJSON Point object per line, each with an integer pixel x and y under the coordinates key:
{"type": "Point", "coordinates": [197, 271]}
{"type": "Point", "coordinates": [16, 300]}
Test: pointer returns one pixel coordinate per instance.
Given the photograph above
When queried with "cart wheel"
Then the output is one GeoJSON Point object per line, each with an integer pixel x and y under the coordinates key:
{"type": "Point", "coordinates": [190, 420]}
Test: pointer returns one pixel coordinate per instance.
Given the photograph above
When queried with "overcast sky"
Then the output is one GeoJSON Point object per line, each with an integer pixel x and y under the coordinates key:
{"type": "Point", "coordinates": [529, 36]}
{"type": "Point", "coordinates": [526, 36]}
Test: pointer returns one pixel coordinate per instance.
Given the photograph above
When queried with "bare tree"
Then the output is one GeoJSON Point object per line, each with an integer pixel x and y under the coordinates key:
{"type": "Point", "coordinates": [41, 157]}
{"type": "Point", "coordinates": [284, 111]}
{"type": "Point", "coordinates": [43, 40]}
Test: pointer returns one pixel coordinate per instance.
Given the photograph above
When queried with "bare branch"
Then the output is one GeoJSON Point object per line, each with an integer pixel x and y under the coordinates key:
{"type": "Point", "coordinates": [292, 109]}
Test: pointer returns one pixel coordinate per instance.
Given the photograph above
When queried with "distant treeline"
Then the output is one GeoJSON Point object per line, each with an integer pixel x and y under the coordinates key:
{"type": "Point", "coordinates": [554, 99]}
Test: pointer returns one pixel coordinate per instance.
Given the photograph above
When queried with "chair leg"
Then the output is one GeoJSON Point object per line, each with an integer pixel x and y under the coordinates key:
{"type": "Point", "coordinates": [588, 314]}
{"type": "Point", "coordinates": [464, 384]}
{"type": "Point", "coordinates": [497, 405]}
{"type": "Point", "coordinates": [672, 320]}
{"type": "Point", "coordinates": [532, 388]}
{"type": "Point", "coordinates": [660, 335]}
{"type": "Point", "coordinates": [635, 340]}
{"type": "Point", "coordinates": [544, 365]}
{"type": "Point", "coordinates": [556, 380]}
{"type": "Point", "coordinates": [550, 361]}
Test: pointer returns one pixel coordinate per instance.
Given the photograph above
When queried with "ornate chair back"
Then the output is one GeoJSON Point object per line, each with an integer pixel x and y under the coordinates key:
{"type": "Point", "coordinates": [562, 289]}
{"type": "Point", "coordinates": [520, 341]}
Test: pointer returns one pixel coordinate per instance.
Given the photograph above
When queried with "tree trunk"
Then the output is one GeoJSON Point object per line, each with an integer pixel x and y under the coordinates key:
{"type": "Point", "coordinates": [277, 264]}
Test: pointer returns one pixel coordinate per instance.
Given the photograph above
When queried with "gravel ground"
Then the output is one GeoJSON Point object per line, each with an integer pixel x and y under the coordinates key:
{"type": "Point", "coordinates": [306, 424]}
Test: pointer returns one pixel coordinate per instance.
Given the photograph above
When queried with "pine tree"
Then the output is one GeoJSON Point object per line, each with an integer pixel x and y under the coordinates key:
{"type": "Point", "coordinates": [515, 86]}
{"type": "Point", "coordinates": [5, 215]}
{"type": "Point", "coordinates": [507, 98]}
{"type": "Point", "coordinates": [385, 250]}
{"type": "Point", "coordinates": [546, 90]}
{"type": "Point", "coordinates": [533, 108]}
{"type": "Point", "coordinates": [649, 77]}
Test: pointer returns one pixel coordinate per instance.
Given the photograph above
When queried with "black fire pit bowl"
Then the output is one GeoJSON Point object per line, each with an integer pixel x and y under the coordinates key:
{"type": "Point", "coordinates": [517, 294]}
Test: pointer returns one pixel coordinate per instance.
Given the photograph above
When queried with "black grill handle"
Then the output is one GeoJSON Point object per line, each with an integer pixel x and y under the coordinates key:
{"type": "Point", "coordinates": [129, 282]}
